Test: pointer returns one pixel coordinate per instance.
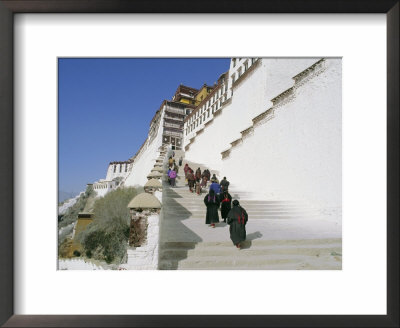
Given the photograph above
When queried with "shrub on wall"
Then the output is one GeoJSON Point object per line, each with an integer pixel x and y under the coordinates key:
{"type": "Point", "coordinates": [106, 238]}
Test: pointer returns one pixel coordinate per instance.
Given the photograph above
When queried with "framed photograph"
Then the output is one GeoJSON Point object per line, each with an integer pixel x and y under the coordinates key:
{"type": "Point", "coordinates": [47, 48]}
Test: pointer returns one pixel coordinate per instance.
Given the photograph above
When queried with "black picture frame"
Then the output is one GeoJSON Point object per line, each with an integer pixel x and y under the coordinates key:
{"type": "Point", "coordinates": [10, 7]}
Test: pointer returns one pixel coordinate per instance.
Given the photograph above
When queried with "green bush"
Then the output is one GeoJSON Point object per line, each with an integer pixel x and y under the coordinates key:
{"type": "Point", "coordinates": [106, 238]}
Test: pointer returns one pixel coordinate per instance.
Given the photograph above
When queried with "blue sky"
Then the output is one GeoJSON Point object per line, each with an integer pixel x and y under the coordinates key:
{"type": "Point", "coordinates": [105, 107]}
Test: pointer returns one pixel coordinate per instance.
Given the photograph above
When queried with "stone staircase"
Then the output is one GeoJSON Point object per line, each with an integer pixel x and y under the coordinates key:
{"type": "Point", "coordinates": [280, 234]}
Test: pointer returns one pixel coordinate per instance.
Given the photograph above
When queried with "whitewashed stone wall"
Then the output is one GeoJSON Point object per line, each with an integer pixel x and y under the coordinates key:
{"type": "Point", "coordinates": [118, 170]}
{"type": "Point", "coordinates": [296, 154]}
{"type": "Point", "coordinates": [102, 187]}
{"type": "Point", "coordinates": [146, 256]}
{"type": "Point", "coordinates": [144, 163]}
{"type": "Point", "coordinates": [248, 99]}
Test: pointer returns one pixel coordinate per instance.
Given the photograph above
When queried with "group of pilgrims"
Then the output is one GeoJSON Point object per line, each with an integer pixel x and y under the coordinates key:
{"type": "Point", "coordinates": [218, 198]}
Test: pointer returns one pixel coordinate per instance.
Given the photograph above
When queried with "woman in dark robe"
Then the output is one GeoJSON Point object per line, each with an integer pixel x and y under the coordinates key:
{"type": "Point", "coordinates": [237, 219]}
{"type": "Point", "coordinates": [208, 174]}
{"type": "Point", "coordinates": [190, 177]}
{"type": "Point", "coordinates": [226, 200]}
{"type": "Point", "coordinates": [212, 202]}
{"type": "Point", "coordinates": [198, 175]}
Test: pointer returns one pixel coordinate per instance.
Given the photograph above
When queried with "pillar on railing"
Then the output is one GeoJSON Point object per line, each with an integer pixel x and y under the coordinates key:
{"type": "Point", "coordinates": [154, 175]}
{"type": "Point", "coordinates": [152, 186]}
{"type": "Point", "coordinates": [157, 168]}
{"type": "Point", "coordinates": [140, 207]}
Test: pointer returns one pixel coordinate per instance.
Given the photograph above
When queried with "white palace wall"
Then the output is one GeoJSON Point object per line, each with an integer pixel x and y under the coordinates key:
{"type": "Point", "coordinates": [250, 97]}
{"type": "Point", "coordinates": [118, 170]}
{"type": "Point", "coordinates": [144, 161]}
{"type": "Point", "coordinates": [294, 152]}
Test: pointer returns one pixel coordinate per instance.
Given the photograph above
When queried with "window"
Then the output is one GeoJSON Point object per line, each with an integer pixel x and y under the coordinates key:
{"type": "Point", "coordinates": [246, 66]}
{"type": "Point", "coordinates": [239, 72]}
{"type": "Point", "coordinates": [233, 78]}
{"type": "Point", "coordinates": [115, 167]}
{"type": "Point", "coordinates": [253, 60]}
{"type": "Point", "coordinates": [233, 62]}
{"type": "Point", "coordinates": [208, 112]}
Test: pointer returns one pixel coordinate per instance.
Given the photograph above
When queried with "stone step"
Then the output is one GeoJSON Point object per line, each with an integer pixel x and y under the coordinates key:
{"type": "Point", "coordinates": [266, 262]}
{"type": "Point", "coordinates": [251, 214]}
{"type": "Point", "coordinates": [269, 267]}
{"type": "Point", "coordinates": [203, 209]}
{"type": "Point", "coordinates": [195, 199]}
{"type": "Point", "coordinates": [177, 208]}
{"type": "Point", "coordinates": [320, 250]}
{"type": "Point", "coordinates": [251, 217]}
{"type": "Point", "coordinates": [257, 242]}
{"type": "Point", "coordinates": [188, 243]}
{"type": "Point", "coordinates": [184, 191]}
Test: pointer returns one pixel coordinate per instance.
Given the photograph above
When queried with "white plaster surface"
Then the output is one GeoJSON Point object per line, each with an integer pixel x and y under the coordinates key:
{"type": "Point", "coordinates": [121, 170]}
{"type": "Point", "coordinates": [145, 161]}
{"type": "Point", "coordinates": [146, 256]}
{"type": "Point", "coordinates": [102, 187]}
{"type": "Point", "coordinates": [296, 154]}
{"type": "Point", "coordinates": [77, 264]}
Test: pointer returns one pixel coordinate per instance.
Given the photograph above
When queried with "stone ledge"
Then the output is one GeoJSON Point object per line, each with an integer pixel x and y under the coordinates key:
{"type": "Point", "coordinates": [228, 101]}
{"type": "Point", "coordinates": [200, 131]}
{"type": "Point", "coordinates": [225, 153]}
{"type": "Point", "coordinates": [259, 118]}
{"type": "Point", "coordinates": [208, 122]}
{"type": "Point", "coordinates": [236, 142]}
{"type": "Point", "coordinates": [281, 97]}
{"type": "Point", "coordinates": [302, 75]}
{"type": "Point", "coordinates": [218, 112]}
{"type": "Point", "coordinates": [247, 131]}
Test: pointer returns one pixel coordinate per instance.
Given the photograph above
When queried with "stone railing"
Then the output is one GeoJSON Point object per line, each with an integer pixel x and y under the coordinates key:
{"type": "Point", "coordinates": [145, 210]}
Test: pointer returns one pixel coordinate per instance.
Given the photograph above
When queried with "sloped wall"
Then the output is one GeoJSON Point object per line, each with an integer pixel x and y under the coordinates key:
{"type": "Point", "coordinates": [293, 151]}
{"type": "Point", "coordinates": [144, 161]}
{"type": "Point", "coordinates": [251, 96]}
